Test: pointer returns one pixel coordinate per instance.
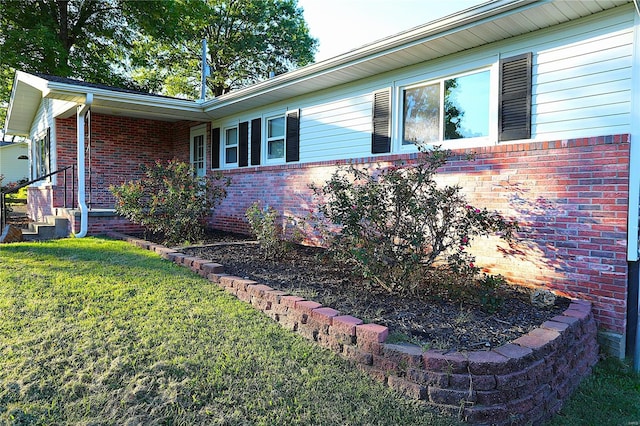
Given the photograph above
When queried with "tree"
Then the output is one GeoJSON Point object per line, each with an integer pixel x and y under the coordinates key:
{"type": "Point", "coordinates": [68, 38]}
{"type": "Point", "coordinates": [247, 40]}
{"type": "Point", "coordinates": [88, 40]}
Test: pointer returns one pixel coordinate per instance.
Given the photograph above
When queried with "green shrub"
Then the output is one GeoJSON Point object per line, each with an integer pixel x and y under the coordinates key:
{"type": "Point", "coordinates": [171, 200]}
{"type": "Point", "coordinates": [267, 232]}
{"type": "Point", "coordinates": [395, 224]}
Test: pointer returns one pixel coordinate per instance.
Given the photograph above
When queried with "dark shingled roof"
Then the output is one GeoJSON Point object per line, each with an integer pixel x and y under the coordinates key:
{"type": "Point", "coordinates": [65, 80]}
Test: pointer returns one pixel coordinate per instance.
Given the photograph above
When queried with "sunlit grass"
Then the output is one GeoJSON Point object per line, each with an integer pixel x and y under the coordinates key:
{"type": "Point", "coordinates": [610, 396]}
{"type": "Point", "coordinates": [94, 331]}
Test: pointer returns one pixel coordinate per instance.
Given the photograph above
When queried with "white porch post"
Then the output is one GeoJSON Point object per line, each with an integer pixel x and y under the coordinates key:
{"type": "Point", "coordinates": [84, 212]}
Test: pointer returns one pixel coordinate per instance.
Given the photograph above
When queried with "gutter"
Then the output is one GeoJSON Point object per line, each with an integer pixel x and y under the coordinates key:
{"type": "Point", "coordinates": [82, 202]}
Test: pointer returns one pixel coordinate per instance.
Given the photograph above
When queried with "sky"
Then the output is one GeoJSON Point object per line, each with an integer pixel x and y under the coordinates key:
{"type": "Point", "coordinates": [344, 25]}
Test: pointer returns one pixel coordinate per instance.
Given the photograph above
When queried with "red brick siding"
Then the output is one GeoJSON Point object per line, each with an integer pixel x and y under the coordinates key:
{"type": "Point", "coordinates": [119, 145]}
{"type": "Point", "coordinates": [569, 196]}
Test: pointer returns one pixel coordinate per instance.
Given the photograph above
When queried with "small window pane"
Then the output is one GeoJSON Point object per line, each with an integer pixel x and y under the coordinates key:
{"type": "Point", "coordinates": [275, 149]}
{"type": "Point", "coordinates": [232, 137]}
{"type": "Point", "coordinates": [421, 114]}
{"type": "Point", "coordinates": [466, 106]}
{"type": "Point", "coordinates": [231, 155]}
{"type": "Point", "coordinates": [276, 127]}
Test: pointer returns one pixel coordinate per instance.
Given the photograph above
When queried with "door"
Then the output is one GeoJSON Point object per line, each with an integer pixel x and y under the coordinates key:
{"type": "Point", "coordinates": [198, 150]}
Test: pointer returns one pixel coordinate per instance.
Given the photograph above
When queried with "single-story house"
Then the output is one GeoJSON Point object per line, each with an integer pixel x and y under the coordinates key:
{"type": "Point", "coordinates": [14, 166]}
{"type": "Point", "coordinates": [547, 95]}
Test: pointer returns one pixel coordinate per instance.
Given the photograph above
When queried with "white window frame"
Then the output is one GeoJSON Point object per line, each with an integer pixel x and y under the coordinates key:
{"type": "Point", "coordinates": [267, 139]}
{"type": "Point", "coordinates": [224, 146]}
{"type": "Point", "coordinates": [424, 80]}
{"type": "Point", "coordinates": [193, 133]}
{"type": "Point", "coordinates": [35, 161]}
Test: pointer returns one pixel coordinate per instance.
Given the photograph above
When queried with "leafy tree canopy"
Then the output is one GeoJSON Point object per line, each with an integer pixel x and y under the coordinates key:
{"type": "Point", "coordinates": [152, 45]}
{"type": "Point", "coordinates": [88, 40]}
{"type": "Point", "coordinates": [247, 40]}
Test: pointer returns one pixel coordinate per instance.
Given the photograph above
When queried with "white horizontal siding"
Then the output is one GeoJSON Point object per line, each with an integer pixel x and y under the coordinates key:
{"type": "Point", "coordinates": [582, 87]}
{"type": "Point", "coordinates": [336, 130]}
{"type": "Point", "coordinates": [582, 78]}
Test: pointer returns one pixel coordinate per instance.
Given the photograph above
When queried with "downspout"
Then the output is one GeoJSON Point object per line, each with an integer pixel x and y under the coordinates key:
{"type": "Point", "coordinates": [84, 212]}
{"type": "Point", "coordinates": [633, 293]}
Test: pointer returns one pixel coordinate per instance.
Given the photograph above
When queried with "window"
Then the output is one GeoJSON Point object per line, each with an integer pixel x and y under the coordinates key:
{"type": "Point", "coordinates": [453, 108]}
{"type": "Point", "coordinates": [231, 146]}
{"type": "Point", "coordinates": [275, 138]}
{"type": "Point", "coordinates": [42, 155]}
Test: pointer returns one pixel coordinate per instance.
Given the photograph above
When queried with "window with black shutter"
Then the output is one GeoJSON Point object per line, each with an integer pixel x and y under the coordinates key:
{"type": "Point", "coordinates": [256, 136]}
{"type": "Point", "coordinates": [243, 144]}
{"type": "Point", "coordinates": [215, 148]}
{"type": "Point", "coordinates": [514, 110]}
{"type": "Point", "coordinates": [380, 137]}
{"type": "Point", "coordinates": [293, 136]}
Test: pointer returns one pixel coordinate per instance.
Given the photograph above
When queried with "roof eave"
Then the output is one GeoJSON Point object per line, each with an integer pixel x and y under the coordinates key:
{"type": "Point", "coordinates": [455, 22]}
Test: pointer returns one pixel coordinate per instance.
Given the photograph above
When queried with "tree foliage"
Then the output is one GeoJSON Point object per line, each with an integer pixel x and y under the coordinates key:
{"type": "Point", "coordinates": [68, 38]}
{"type": "Point", "coordinates": [105, 41]}
{"type": "Point", "coordinates": [247, 40]}
{"type": "Point", "coordinates": [88, 40]}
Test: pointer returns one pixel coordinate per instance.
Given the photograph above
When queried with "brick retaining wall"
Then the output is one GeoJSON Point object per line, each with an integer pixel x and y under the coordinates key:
{"type": "Point", "coordinates": [525, 381]}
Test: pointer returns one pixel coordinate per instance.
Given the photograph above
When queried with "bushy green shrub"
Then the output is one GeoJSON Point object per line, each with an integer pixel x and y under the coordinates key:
{"type": "Point", "coordinates": [395, 224]}
{"type": "Point", "coordinates": [266, 230]}
{"type": "Point", "coordinates": [171, 200]}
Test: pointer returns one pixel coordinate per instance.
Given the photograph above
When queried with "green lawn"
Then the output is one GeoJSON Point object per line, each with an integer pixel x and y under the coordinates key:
{"type": "Point", "coordinates": [97, 332]}
{"type": "Point", "coordinates": [610, 396]}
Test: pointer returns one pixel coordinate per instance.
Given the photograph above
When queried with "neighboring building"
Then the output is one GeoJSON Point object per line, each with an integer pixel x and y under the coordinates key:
{"type": "Point", "coordinates": [550, 96]}
{"type": "Point", "coordinates": [14, 161]}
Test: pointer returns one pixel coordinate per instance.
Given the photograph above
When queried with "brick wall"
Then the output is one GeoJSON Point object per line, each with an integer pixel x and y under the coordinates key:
{"type": "Point", "coordinates": [569, 196]}
{"type": "Point", "coordinates": [119, 145]}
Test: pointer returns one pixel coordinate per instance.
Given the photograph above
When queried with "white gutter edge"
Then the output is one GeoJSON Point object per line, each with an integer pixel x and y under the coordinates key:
{"type": "Point", "coordinates": [82, 202]}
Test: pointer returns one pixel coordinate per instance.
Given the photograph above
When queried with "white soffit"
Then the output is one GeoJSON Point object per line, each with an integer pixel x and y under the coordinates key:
{"type": "Point", "coordinates": [486, 23]}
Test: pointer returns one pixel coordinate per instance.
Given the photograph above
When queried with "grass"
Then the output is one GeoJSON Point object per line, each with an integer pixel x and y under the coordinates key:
{"type": "Point", "coordinates": [610, 396]}
{"type": "Point", "coordinates": [97, 332]}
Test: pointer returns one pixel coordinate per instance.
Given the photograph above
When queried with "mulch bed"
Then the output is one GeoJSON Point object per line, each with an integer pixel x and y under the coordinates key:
{"type": "Point", "coordinates": [436, 320]}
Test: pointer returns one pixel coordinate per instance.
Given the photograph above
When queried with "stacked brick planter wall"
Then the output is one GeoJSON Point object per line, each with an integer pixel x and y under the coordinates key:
{"type": "Point", "coordinates": [569, 196]}
{"type": "Point", "coordinates": [523, 382]}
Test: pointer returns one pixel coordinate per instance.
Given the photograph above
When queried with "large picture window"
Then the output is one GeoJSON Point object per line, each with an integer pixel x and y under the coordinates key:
{"type": "Point", "coordinates": [275, 138]}
{"type": "Point", "coordinates": [453, 108]}
{"type": "Point", "coordinates": [231, 145]}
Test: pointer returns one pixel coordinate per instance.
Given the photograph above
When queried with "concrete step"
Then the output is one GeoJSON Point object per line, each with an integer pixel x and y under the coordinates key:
{"type": "Point", "coordinates": [53, 227]}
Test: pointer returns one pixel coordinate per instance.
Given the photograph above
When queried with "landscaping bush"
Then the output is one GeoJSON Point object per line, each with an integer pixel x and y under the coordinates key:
{"type": "Point", "coordinates": [267, 232]}
{"type": "Point", "coordinates": [171, 200]}
{"type": "Point", "coordinates": [395, 224]}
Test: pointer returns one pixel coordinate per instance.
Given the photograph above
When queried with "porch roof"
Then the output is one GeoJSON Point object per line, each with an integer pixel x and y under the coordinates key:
{"type": "Point", "coordinates": [29, 90]}
{"type": "Point", "coordinates": [486, 23]}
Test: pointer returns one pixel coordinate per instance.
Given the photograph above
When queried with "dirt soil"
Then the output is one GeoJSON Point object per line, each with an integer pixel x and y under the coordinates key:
{"type": "Point", "coordinates": [437, 320]}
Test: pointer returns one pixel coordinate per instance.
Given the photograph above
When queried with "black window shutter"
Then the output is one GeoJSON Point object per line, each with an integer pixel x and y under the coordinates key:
{"type": "Point", "coordinates": [293, 136]}
{"type": "Point", "coordinates": [243, 144]}
{"type": "Point", "coordinates": [215, 148]}
{"type": "Point", "coordinates": [514, 110]}
{"type": "Point", "coordinates": [256, 135]}
{"type": "Point", "coordinates": [380, 139]}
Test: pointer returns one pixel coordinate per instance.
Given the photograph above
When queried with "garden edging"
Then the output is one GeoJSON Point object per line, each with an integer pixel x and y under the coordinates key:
{"type": "Point", "coordinates": [524, 381]}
